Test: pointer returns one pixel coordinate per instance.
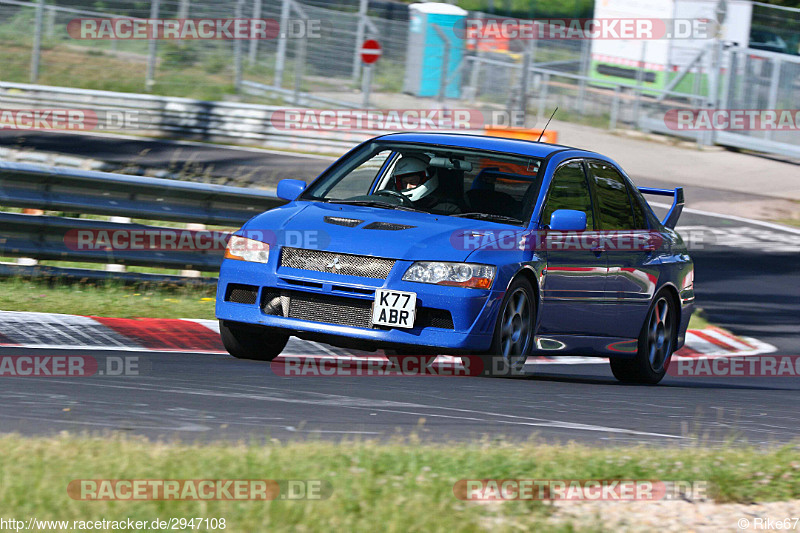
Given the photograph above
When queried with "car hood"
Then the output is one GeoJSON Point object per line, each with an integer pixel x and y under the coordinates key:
{"type": "Point", "coordinates": [381, 233]}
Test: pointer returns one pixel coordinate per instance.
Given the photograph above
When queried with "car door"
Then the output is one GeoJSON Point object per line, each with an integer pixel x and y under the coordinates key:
{"type": "Point", "coordinates": [632, 272]}
{"type": "Point", "coordinates": [574, 280]}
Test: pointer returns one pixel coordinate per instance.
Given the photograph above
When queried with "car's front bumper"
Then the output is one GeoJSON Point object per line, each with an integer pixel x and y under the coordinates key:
{"type": "Point", "coordinates": [473, 311]}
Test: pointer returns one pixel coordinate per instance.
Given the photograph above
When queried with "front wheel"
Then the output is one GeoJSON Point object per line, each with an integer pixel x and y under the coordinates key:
{"type": "Point", "coordinates": [656, 345]}
{"type": "Point", "coordinates": [244, 341]}
{"type": "Point", "coordinates": [513, 333]}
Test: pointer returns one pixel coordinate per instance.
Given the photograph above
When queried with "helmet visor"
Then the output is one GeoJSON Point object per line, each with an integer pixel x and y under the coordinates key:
{"type": "Point", "coordinates": [410, 180]}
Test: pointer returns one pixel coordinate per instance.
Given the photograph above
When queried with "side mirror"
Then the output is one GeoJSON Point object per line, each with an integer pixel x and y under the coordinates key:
{"type": "Point", "coordinates": [290, 189]}
{"type": "Point", "coordinates": [568, 220]}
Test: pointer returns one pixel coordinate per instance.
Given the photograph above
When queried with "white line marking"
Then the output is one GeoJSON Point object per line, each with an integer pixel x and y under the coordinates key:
{"type": "Point", "coordinates": [735, 343]}
{"type": "Point", "coordinates": [341, 401]}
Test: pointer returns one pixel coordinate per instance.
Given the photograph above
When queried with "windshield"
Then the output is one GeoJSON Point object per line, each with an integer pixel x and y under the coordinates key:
{"type": "Point", "coordinates": [433, 179]}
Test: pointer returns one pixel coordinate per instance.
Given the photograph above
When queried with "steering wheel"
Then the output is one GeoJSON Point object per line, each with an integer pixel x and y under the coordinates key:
{"type": "Point", "coordinates": [404, 200]}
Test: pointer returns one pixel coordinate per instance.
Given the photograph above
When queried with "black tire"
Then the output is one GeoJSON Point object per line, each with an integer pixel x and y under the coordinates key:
{"type": "Point", "coordinates": [513, 333]}
{"type": "Point", "coordinates": [655, 347]}
{"type": "Point", "coordinates": [244, 341]}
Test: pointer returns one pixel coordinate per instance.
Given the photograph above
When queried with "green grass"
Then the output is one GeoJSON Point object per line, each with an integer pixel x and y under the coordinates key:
{"type": "Point", "coordinates": [789, 222]}
{"type": "Point", "coordinates": [67, 66]}
{"type": "Point", "coordinates": [396, 487]}
{"type": "Point", "coordinates": [698, 320]}
{"type": "Point", "coordinates": [111, 299]}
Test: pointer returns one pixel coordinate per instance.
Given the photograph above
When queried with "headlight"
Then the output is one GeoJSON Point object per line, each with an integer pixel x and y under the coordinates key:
{"type": "Point", "coordinates": [244, 249]}
{"type": "Point", "coordinates": [452, 274]}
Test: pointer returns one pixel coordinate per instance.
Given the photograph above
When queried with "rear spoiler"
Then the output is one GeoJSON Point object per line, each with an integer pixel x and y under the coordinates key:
{"type": "Point", "coordinates": [677, 203]}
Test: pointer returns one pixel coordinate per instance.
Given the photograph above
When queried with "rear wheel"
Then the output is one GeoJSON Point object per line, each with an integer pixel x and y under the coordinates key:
{"type": "Point", "coordinates": [656, 345]}
{"type": "Point", "coordinates": [513, 333]}
{"type": "Point", "coordinates": [244, 341]}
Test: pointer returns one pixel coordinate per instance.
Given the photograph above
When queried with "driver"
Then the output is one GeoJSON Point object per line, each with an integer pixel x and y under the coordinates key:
{"type": "Point", "coordinates": [417, 181]}
{"type": "Point", "coordinates": [414, 179]}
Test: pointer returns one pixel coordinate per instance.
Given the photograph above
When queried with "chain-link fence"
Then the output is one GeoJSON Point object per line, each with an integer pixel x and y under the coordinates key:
{"type": "Point", "coordinates": [320, 61]}
{"type": "Point", "coordinates": [320, 54]}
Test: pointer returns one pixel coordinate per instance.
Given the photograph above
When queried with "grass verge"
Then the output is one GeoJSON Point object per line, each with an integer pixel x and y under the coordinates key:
{"type": "Point", "coordinates": [404, 486]}
{"type": "Point", "coordinates": [109, 299]}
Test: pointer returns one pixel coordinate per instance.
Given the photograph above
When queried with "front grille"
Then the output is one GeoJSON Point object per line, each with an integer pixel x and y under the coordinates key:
{"type": "Point", "coordinates": [334, 263]}
{"type": "Point", "coordinates": [337, 310]}
{"type": "Point", "coordinates": [241, 294]}
{"type": "Point", "coordinates": [340, 310]}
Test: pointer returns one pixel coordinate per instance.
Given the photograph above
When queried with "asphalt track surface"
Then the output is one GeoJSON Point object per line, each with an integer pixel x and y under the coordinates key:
{"type": "Point", "coordinates": [751, 290]}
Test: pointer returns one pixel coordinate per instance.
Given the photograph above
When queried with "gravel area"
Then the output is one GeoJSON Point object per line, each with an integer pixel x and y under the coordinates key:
{"type": "Point", "coordinates": [678, 516]}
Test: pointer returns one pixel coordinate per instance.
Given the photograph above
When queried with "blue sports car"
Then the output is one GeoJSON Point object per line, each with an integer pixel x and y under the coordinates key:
{"type": "Point", "coordinates": [430, 243]}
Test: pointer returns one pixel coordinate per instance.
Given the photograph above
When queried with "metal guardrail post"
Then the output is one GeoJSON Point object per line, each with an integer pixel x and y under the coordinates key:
{"type": "Point", "coordinates": [299, 67]}
{"type": "Point", "coordinates": [639, 80]}
{"type": "Point", "coordinates": [360, 31]}
{"type": "Point", "coordinates": [151, 52]}
{"type": "Point", "coordinates": [183, 9]}
{"type": "Point", "coordinates": [187, 273]}
{"type": "Point", "coordinates": [280, 57]}
{"type": "Point", "coordinates": [585, 62]}
{"type": "Point", "coordinates": [614, 115]}
{"type": "Point", "coordinates": [251, 58]}
{"type": "Point", "coordinates": [445, 64]}
{"type": "Point", "coordinates": [774, 82]}
{"type": "Point", "coordinates": [116, 267]}
{"type": "Point", "coordinates": [237, 52]}
{"type": "Point", "coordinates": [523, 86]}
{"type": "Point", "coordinates": [49, 22]}
{"type": "Point", "coordinates": [474, 76]}
{"type": "Point", "coordinates": [543, 96]}
{"type": "Point", "coordinates": [37, 41]}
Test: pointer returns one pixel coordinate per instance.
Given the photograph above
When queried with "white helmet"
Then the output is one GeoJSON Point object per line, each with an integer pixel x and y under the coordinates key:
{"type": "Point", "coordinates": [412, 166]}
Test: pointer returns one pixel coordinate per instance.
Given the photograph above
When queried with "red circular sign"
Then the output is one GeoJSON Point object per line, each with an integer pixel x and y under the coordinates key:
{"type": "Point", "coordinates": [370, 51]}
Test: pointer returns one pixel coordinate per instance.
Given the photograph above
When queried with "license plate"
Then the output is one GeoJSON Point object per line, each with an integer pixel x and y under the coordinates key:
{"type": "Point", "coordinates": [394, 308]}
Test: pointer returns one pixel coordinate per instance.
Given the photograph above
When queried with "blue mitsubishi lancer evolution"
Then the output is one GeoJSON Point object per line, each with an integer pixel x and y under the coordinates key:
{"type": "Point", "coordinates": [431, 243]}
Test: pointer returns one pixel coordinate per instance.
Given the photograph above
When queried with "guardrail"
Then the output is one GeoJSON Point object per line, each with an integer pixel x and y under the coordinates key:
{"type": "Point", "coordinates": [185, 118]}
{"type": "Point", "coordinates": [102, 193]}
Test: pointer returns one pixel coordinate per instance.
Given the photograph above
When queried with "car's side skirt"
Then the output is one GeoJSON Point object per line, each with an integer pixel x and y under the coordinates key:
{"type": "Point", "coordinates": [586, 345]}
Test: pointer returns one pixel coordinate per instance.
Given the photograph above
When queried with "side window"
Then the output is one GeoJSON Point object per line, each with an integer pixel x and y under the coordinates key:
{"type": "Point", "coordinates": [613, 203]}
{"type": "Point", "coordinates": [569, 190]}
{"type": "Point", "coordinates": [638, 209]}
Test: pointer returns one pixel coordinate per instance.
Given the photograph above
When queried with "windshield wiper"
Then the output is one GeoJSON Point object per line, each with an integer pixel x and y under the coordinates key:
{"type": "Point", "coordinates": [489, 216]}
{"type": "Point", "coordinates": [372, 203]}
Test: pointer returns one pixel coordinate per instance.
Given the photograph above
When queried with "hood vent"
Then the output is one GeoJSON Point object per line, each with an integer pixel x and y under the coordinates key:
{"type": "Point", "coordinates": [388, 226]}
{"type": "Point", "coordinates": [341, 221]}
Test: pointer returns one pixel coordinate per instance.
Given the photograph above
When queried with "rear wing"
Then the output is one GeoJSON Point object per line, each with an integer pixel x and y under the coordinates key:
{"type": "Point", "coordinates": [677, 203]}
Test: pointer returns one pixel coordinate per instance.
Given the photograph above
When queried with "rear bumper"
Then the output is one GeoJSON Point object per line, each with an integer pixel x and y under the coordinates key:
{"type": "Point", "coordinates": [473, 311]}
